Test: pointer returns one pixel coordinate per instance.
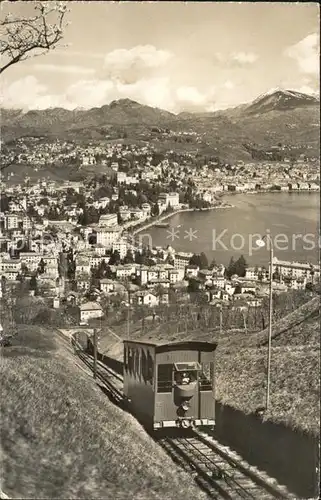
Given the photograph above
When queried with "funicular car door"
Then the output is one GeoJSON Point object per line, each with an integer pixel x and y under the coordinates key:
{"type": "Point", "coordinates": [186, 389]}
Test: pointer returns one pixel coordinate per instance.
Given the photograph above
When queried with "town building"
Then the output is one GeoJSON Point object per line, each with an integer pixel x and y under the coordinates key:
{"type": "Point", "coordinates": [287, 269]}
{"type": "Point", "coordinates": [107, 236]}
{"type": "Point", "coordinates": [120, 246]}
{"type": "Point", "coordinates": [181, 259]}
{"type": "Point", "coordinates": [108, 220]}
{"type": "Point", "coordinates": [90, 310]}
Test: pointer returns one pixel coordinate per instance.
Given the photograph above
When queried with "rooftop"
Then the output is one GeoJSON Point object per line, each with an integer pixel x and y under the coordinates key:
{"type": "Point", "coordinates": [90, 306]}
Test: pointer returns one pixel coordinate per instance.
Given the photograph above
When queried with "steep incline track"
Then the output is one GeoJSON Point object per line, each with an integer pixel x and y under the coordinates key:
{"type": "Point", "coordinates": [217, 470]}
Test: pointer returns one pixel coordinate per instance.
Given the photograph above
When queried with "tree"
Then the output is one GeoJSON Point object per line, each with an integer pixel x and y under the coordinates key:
{"type": "Point", "coordinates": [114, 258]}
{"type": "Point", "coordinates": [213, 264]}
{"type": "Point", "coordinates": [33, 284]}
{"type": "Point", "coordinates": [3, 284]}
{"type": "Point", "coordinates": [231, 268]}
{"type": "Point", "coordinates": [155, 210]}
{"type": "Point", "coordinates": [129, 258]}
{"type": "Point", "coordinates": [240, 267]}
{"type": "Point", "coordinates": [276, 274]}
{"type": "Point", "coordinates": [4, 202]}
{"type": "Point", "coordinates": [195, 260]}
{"type": "Point", "coordinates": [24, 37]}
{"type": "Point", "coordinates": [203, 261]}
{"type": "Point", "coordinates": [83, 219]}
{"type": "Point", "coordinates": [41, 266]}
{"type": "Point", "coordinates": [138, 258]}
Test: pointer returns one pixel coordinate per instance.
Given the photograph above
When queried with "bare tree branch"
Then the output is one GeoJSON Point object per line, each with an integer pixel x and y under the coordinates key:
{"type": "Point", "coordinates": [21, 37]}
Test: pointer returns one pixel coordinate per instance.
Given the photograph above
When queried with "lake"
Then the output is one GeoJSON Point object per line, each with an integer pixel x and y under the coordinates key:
{"type": "Point", "coordinates": [292, 220]}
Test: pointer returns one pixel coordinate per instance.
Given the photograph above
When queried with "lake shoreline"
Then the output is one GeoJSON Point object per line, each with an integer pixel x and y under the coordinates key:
{"type": "Point", "coordinates": [182, 210]}
{"type": "Point", "coordinates": [227, 205]}
{"type": "Point", "coordinates": [223, 234]}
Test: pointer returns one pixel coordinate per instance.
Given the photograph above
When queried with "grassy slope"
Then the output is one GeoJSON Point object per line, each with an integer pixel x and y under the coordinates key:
{"type": "Point", "coordinates": [295, 370]}
{"type": "Point", "coordinates": [62, 438]}
{"type": "Point", "coordinates": [241, 366]}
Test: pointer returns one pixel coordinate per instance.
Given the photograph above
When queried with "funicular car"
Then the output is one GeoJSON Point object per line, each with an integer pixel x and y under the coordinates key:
{"type": "Point", "coordinates": [171, 385]}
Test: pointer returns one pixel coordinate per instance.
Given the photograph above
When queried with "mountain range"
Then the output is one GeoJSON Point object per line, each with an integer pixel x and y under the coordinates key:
{"type": "Point", "coordinates": [284, 116]}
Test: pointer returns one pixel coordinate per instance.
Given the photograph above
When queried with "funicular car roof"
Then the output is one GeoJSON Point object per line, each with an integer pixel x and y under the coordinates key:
{"type": "Point", "coordinates": [190, 345]}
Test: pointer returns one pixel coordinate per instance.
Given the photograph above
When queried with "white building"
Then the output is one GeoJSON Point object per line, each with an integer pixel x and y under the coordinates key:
{"type": "Point", "coordinates": [254, 273]}
{"type": "Point", "coordinates": [120, 246]}
{"type": "Point", "coordinates": [108, 236]}
{"type": "Point", "coordinates": [121, 177]}
{"type": "Point", "coordinates": [125, 271]}
{"type": "Point", "coordinates": [173, 200]}
{"type": "Point", "coordinates": [10, 268]}
{"type": "Point", "coordinates": [26, 223]}
{"type": "Point", "coordinates": [30, 259]}
{"type": "Point", "coordinates": [90, 310]}
{"type": "Point", "coordinates": [107, 285]}
{"type": "Point", "coordinates": [146, 298]}
{"type": "Point", "coordinates": [296, 269]}
{"type": "Point", "coordinates": [12, 221]}
{"type": "Point", "coordinates": [181, 259]}
{"type": "Point", "coordinates": [146, 208]}
{"type": "Point", "coordinates": [108, 220]}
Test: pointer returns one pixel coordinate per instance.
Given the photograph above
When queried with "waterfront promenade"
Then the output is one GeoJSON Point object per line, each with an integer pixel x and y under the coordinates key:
{"type": "Point", "coordinates": [175, 212]}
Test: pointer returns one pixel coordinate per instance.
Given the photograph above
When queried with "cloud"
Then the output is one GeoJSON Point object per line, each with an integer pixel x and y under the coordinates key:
{"type": "Point", "coordinates": [240, 58]}
{"type": "Point", "coordinates": [131, 65]}
{"type": "Point", "coordinates": [28, 93]}
{"type": "Point", "coordinates": [22, 92]}
{"type": "Point", "coordinates": [192, 99]}
{"type": "Point", "coordinates": [89, 93]}
{"type": "Point", "coordinates": [156, 92]}
{"type": "Point", "coordinates": [306, 89]}
{"type": "Point", "coordinates": [191, 95]}
{"type": "Point", "coordinates": [228, 85]}
{"type": "Point", "coordinates": [67, 52]}
{"type": "Point", "coordinates": [244, 57]}
{"type": "Point", "coordinates": [306, 54]}
{"type": "Point", "coordinates": [55, 68]}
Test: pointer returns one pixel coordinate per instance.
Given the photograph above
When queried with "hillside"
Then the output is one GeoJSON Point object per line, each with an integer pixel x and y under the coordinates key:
{"type": "Point", "coordinates": [61, 437]}
{"type": "Point", "coordinates": [281, 116]}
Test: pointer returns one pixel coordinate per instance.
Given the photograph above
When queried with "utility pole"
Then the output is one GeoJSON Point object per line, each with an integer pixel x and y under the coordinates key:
{"type": "Point", "coordinates": [128, 320]}
{"type": "Point", "coordinates": [261, 243]}
{"type": "Point", "coordinates": [95, 352]}
{"type": "Point", "coordinates": [221, 320]}
{"type": "Point", "coordinates": [244, 322]}
{"type": "Point", "coordinates": [270, 329]}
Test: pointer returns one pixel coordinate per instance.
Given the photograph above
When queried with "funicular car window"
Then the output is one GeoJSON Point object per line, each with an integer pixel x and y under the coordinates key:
{"type": "Point", "coordinates": [144, 368]}
{"type": "Point", "coordinates": [182, 378]}
{"type": "Point", "coordinates": [130, 360]}
{"type": "Point", "coordinates": [206, 377]}
{"type": "Point", "coordinates": [187, 372]}
{"type": "Point", "coordinates": [164, 378]}
{"type": "Point", "coordinates": [136, 354]}
{"type": "Point", "coordinates": [188, 366]}
{"type": "Point", "coordinates": [150, 368]}
{"type": "Point", "coordinates": [126, 358]}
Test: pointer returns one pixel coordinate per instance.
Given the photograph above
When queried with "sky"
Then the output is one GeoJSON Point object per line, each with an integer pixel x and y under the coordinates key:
{"type": "Point", "coordinates": [177, 56]}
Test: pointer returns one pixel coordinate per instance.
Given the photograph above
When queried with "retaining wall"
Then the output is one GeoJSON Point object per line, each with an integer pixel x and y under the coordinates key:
{"type": "Point", "coordinates": [291, 457]}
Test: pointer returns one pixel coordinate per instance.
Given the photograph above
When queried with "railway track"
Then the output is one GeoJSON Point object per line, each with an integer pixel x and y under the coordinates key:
{"type": "Point", "coordinates": [220, 475]}
{"type": "Point", "coordinates": [111, 380]}
{"type": "Point", "coordinates": [217, 471]}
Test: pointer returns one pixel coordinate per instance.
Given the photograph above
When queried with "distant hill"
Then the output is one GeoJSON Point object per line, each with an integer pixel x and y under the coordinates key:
{"type": "Point", "coordinates": [121, 112]}
{"type": "Point", "coordinates": [278, 116]}
{"type": "Point", "coordinates": [281, 100]}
